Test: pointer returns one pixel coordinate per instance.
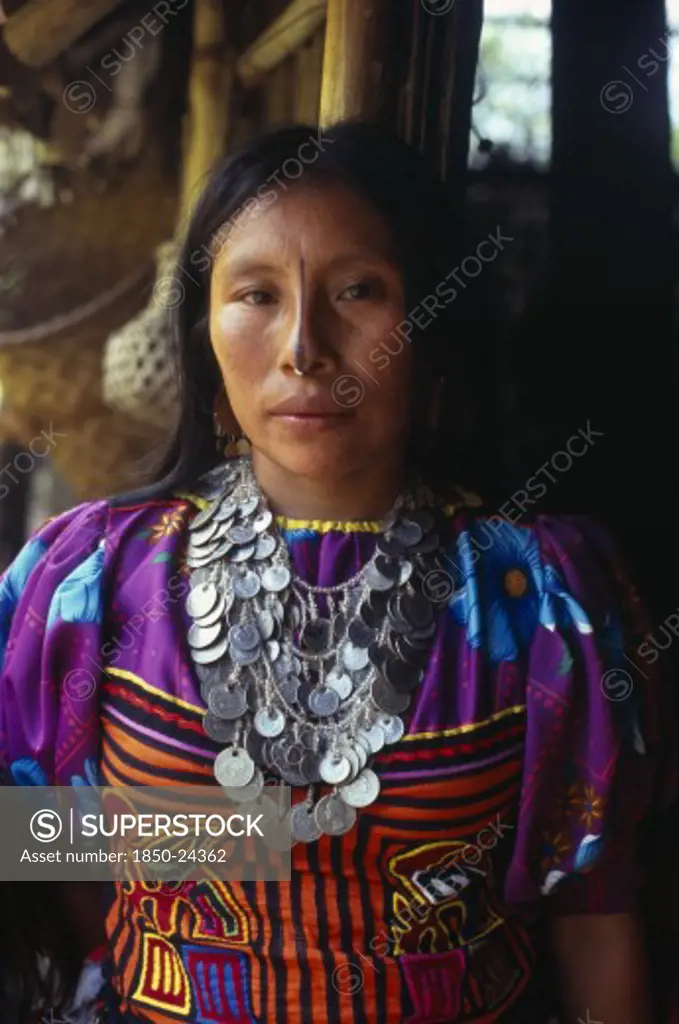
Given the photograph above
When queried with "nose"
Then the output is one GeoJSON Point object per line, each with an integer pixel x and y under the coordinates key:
{"type": "Point", "coordinates": [308, 350]}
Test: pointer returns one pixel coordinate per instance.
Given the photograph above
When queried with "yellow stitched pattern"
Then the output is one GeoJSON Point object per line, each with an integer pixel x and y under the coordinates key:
{"type": "Point", "coordinates": [123, 673]}
{"type": "Point", "coordinates": [330, 525]}
{"type": "Point", "coordinates": [442, 733]}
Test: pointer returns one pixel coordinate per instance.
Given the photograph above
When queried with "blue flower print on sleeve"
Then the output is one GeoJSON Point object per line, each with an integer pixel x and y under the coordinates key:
{"type": "Point", "coordinates": [499, 587]}
{"type": "Point", "coordinates": [13, 583]}
{"type": "Point", "coordinates": [79, 598]}
{"type": "Point", "coordinates": [26, 771]}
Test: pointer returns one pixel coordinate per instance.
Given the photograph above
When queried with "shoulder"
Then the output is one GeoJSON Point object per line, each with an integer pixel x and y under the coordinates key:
{"type": "Point", "coordinates": [74, 532]}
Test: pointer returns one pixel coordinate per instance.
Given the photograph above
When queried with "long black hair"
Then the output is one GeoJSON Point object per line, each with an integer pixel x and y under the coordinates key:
{"type": "Point", "coordinates": [399, 183]}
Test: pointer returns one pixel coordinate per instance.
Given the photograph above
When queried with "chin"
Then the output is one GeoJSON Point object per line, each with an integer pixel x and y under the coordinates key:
{"type": "Point", "coordinates": [327, 460]}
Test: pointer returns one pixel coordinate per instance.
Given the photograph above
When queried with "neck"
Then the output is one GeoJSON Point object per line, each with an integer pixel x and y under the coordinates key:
{"type": "Point", "coordinates": [344, 497]}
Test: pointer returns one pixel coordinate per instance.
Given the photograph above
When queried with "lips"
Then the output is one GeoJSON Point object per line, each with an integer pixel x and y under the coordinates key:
{"type": "Point", "coordinates": [309, 407]}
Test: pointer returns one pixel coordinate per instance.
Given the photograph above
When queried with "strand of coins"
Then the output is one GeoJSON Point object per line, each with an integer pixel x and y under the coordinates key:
{"type": "Point", "coordinates": [305, 683]}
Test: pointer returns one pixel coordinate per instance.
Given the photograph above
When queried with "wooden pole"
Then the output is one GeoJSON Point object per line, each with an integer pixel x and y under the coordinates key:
{"type": "Point", "coordinates": [281, 39]}
{"type": "Point", "coordinates": [41, 30]}
{"type": "Point", "coordinates": [354, 65]}
{"type": "Point", "coordinates": [210, 89]}
{"type": "Point", "coordinates": [309, 73]}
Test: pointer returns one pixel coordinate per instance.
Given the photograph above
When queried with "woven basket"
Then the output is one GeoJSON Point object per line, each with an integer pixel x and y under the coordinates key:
{"type": "Point", "coordinates": [138, 372]}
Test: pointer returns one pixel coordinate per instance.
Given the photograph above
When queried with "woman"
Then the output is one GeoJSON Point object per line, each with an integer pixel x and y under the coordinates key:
{"type": "Point", "coordinates": [467, 781]}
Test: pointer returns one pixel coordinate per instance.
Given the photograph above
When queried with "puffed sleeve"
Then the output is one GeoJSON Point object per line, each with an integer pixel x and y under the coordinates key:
{"type": "Point", "coordinates": [50, 641]}
{"type": "Point", "coordinates": [595, 755]}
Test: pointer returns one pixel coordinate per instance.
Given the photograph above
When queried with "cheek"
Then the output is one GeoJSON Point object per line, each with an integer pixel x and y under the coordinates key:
{"type": "Point", "coordinates": [237, 343]}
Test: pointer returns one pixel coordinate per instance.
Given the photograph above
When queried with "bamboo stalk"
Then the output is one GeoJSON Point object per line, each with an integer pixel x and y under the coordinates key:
{"type": "Point", "coordinates": [308, 75]}
{"type": "Point", "coordinates": [210, 88]}
{"type": "Point", "coordinates": [281, 39]}
{"type": "Point", "coordinates": [41, 30]}
{"type": "Point", "coordinates": [356, 46]}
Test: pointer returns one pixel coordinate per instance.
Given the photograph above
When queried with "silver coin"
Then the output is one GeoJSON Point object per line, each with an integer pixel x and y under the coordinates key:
{"type": "Point", "coordinates": [201, 576]}
{"type": "Point", "coordinates": [388, 567]}
{"type": "Point", "coordinates": [323, 701]}
{"type": "Point", "coordinates": [222, 550]}
{"type": "Point", "coordinates": [203, 517]}
{"type": "Point", "coordinates": [243, 554]}
{"type": "Point", "coordinates": [246, 585]}
{"type": "Point", "coordinates": [196, 561]}
{"type": "Point", "coordinates": [242, 794]}
{"type": "Point", "coordinates": [243, 534]}
{"type": "Point", "coordinates": [360, 634]}
{"type": "Point", "coordinates": [416, 609]}
{"type": "Point", "coordinates": [248, 505]}
{"type": "Point", "coordinates": [225, 702]}
{"type": "Point", "coordinates": [210, 675]}
{"type": "Point", "coordinates": [283, 666]}
{"type": "Point", "coordinates": [334, 817]}
{"type": "Point", "coordinates": [202, 600]}
{"type": "Point", "coordinates": [340, 682]}
{"type": "Point", "coordinates": [362, 753]}
{"type": "Point", "coordinates": [405, 572]}
{"type": "Point", "coordinates": [387, 698]}
{"type": "Point", "coordinates": [389, 545]}
{"type": "Point", "coordinates": [220, 730]}
{"type": "Point", "coordinates": [334, 768]}
{"type": "Point", "coordinates": [210, 654]}
{"type": "Point", "coordinates": [269, 722]}
{"type": "Point", "coordinates": [245, 637]}
{"type": "Point", "coordinates": [348, 751]}
{"type": "Point", "coordinates": [375, 579]}
{"type": "Point", "coordinates": [234, 767]}
{"type": "Point", "coordinates": [362, 744]}
{"type": "Point", "coordinates": [307, 737]}
{"type": "Point", "coordinates": [392, 726]}
{"type": "Point", "coordinates": [293, 776]}
{"type": "Point", "coordinates": [315, 636]}
{"type": "Point", "coordinates": [200, 636]}
{"type": "Point", "coordinates": [363, 791]}
{"type": "Point", "coordinates": [400, 675]}
{"type": "Point", "coordinates": [246, 657]}
{"type": "Point", "coordinates": [265, 546]}
{"type": "Point", "coordinates": [423, 518]}
{"type": "Point", "coordinates": [293, 617]}
{"type": "Point", "coordinates": [289, 689]}
{"type": "Point", "coordinates": [273, 650]}
{"type": "Point", "coordinates": [226, 512]}
{"type": "Point", "coordinates": [215, 615]}
{"type": "Point", "coordinates": [276, 578]}
{"type": "Point", "coordinates": [355, 658]}
{"type": "Point", "coordinates": [205, 534]}
{"type": "Point", "coordinates": [266, 624]}
{"type": "Point", "coordinates": [303, 824]}
{"type": "Point", "coordinates": [408, 532]}
{"type": "Point", "coordinates": [263, 520]}
{"type": "Point", "coordinates": [374, 735]}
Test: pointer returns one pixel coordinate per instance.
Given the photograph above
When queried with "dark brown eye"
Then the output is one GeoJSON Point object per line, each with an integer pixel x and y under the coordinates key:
{"type": "Point", "coordinates": [359, 290]}
{"type": "Point", "coordinates": [257, 297]}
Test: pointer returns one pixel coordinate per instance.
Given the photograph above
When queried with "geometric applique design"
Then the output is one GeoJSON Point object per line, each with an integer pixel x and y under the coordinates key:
{"type": "Point", "coordinates": [221, 985]}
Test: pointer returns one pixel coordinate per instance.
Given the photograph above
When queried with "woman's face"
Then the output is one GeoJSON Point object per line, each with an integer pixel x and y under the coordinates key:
{"type": "Point", "coordinates": [313, 283]}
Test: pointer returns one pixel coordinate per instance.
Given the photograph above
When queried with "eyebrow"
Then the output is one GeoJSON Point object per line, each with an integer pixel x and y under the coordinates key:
{"type": "Point", "coordinates": [239, 266]}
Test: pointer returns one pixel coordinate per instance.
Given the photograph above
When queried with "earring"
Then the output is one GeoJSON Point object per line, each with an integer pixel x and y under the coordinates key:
{"type": "Point", "coordinates": [229, 445]}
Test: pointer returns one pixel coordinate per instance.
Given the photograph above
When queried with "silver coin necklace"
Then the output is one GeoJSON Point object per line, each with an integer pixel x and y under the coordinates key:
{"type": "Point", "coordinates": [305, 683]}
